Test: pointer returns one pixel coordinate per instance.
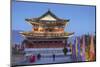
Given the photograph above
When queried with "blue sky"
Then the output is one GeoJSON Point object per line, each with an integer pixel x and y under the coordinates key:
{"type": "Point", "coordinates": [82, 18]}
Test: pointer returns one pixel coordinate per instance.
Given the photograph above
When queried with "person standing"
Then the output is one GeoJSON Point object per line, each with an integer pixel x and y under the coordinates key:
{"type": "Point", "coordinates": [53, 57]}
{"type": "Point", "coordinates": [38, 56]}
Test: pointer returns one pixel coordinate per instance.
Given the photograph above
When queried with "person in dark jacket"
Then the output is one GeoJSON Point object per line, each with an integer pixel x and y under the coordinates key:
{"type": "Point", "coordinates": [53, 57]}
{"type": "Point", "coordinates": [38, 56]}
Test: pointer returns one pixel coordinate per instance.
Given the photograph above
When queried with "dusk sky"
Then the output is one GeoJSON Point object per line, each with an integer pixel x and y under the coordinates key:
{"type": "Point", "coordinates": [82, 18]}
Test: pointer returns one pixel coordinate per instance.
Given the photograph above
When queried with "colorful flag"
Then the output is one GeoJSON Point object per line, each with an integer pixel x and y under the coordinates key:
{"type": "Point", "coordinates": [74, 52]}
{"type": "Point", "coordinates": [76, 46]}
{"type": "Point", "coordinates": [83, 49]}
{"type": "Point", "coordinates": [71, 47]}
{"type": "Point", "coordinates": [92, 51]}
{"type": "Point", "coordinates": [79, 49]}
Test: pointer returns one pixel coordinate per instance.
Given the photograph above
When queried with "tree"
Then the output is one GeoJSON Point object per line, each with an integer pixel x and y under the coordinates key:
{"type": "Point", "coordinates": [65, 50]}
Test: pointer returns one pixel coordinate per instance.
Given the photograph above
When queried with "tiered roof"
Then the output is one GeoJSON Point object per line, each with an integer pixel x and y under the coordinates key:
{"type": "Point", "coordinates": [46, 34]}
{"type": "Point", "coordinates": [43, 20]}
{"type": "Point", "coordinates": [55, 21]}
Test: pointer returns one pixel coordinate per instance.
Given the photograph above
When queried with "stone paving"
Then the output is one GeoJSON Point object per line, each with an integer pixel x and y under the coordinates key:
{"type": "Point", "coordinates": [44, 60]}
